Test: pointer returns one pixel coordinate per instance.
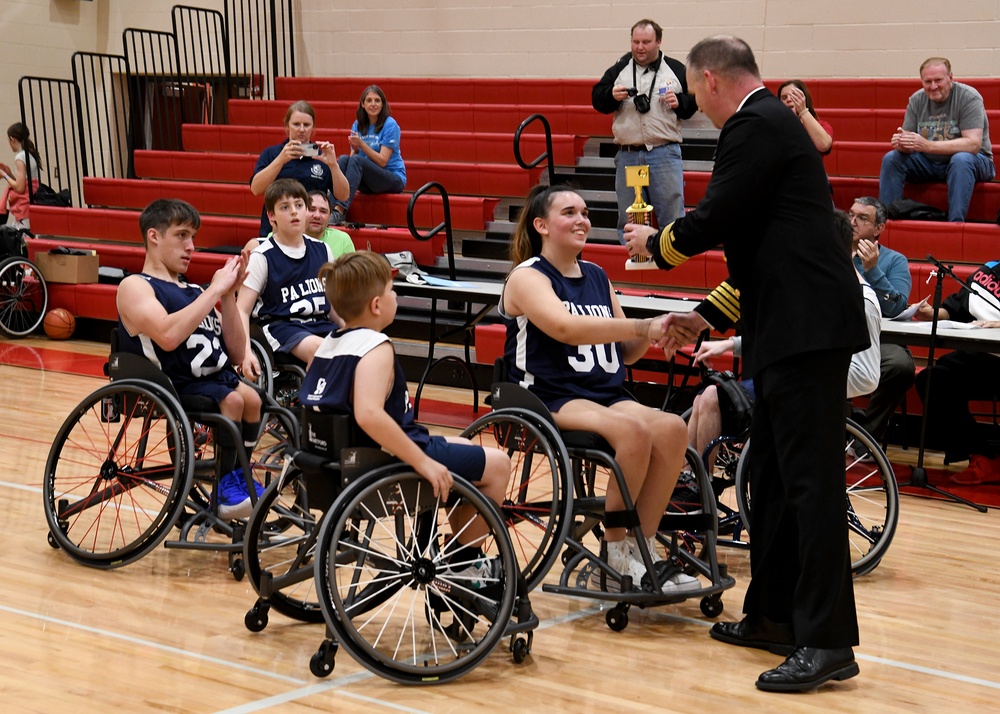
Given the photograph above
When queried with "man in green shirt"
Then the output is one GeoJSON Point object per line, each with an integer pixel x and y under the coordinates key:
{"type": "Point", "coordinates": [317, 225]}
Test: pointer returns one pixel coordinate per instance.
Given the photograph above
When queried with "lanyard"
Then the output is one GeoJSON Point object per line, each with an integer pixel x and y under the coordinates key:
{"type": "Point", "coordinates": [652, 83]}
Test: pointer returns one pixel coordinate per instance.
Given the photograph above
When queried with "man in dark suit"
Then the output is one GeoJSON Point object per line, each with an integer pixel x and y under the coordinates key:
{"type": "Point", "coordinates": [792, 284]}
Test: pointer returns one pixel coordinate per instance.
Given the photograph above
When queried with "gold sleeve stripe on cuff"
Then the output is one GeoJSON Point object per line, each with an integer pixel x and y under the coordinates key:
{"type": "Point", "coordinates": [670, 254]}
{"type": "Point", "coordinates": [726, 300]}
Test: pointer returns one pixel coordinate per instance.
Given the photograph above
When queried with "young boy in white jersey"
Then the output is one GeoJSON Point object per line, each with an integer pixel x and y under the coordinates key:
{"type": "Point", "coordinates": [282, 290]}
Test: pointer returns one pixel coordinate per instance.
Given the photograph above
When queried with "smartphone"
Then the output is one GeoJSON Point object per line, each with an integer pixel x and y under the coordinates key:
{"type": "Point", "coordinates": [310, 149]}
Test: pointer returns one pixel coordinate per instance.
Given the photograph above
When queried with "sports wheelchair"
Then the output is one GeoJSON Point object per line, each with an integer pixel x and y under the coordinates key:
{"type": "Point", "coordinates": [280, 374]}
{"type": "Point", "coordinates": [133, 460]}
{"type": "Point", "coordinates": [24, 297]}
{"type": "Point", "coordinates": [871, 491]}
{"type": "Point", "coordinates": [555, 509]}
{"type": "Point", "coordinates": [348, 536]}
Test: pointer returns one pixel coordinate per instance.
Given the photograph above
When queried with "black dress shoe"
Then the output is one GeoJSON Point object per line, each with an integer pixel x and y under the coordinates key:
{"type": "Point", "coordinates": [807, 668]}
{"type": "Point", "coordinates": [756, 632]}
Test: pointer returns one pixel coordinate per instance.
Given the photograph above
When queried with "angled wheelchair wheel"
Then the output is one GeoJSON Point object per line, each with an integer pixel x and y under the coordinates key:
{"type": "Point", "coordinates": [266, 379]}
{"type": "Point", "coordinates": [279, 549]}
{"type": "Point", "coordinates": [872, 498]}
{"type": "Point", "coordinates": [537, 509]}
{"type": "Point", "coordinates": [391, 590]}
{"type": "Point", "coordinates": [24, 297]}
{"type": "Point", "coordinates": [117, 474]}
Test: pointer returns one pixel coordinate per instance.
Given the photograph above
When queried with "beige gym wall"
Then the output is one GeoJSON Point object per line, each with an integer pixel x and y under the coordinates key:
{"type": "Point", "coordinates": [540, 38]}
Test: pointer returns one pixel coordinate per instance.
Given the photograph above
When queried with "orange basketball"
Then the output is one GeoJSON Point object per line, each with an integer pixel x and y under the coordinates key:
{"type": "Point", "coordinates": [59, 324]}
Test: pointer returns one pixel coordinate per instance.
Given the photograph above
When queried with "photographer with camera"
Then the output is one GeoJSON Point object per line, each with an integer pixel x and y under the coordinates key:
{"type": "Point", "coordinates": [647, 93]}
{"type": "Point", "coordinates": [314, 165]}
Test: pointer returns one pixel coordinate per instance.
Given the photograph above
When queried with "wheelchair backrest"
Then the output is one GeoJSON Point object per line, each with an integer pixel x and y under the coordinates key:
{"type": "Point", "coordinates": [334, 443]}
{"type": "Point", "coordinates": [508, 395]}
{"type": "Point", "coordinates": [128, 365]}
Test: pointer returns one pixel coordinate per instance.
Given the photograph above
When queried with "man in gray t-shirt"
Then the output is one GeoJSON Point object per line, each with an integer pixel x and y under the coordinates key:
{"type": "Point", "coordinates": [945, 137]}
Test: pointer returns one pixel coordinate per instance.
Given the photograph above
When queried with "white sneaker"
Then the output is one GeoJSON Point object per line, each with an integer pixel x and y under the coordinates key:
{"type": "Point", "coordinates": [620, 558]}
{"type": "Point", "coordinates": [651, 543]}
{"type": "Point", "coordinates": [680, 583]}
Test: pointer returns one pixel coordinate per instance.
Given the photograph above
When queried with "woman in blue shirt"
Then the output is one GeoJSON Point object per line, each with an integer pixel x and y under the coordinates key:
{"type": "Point", "coordinates": [375, 164]}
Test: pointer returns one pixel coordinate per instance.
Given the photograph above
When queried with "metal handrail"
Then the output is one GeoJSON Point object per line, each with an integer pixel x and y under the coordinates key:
{"type": "Point", "coordinates": [443, 225]}
{"type": "Point", "coordinates": [547, 154]}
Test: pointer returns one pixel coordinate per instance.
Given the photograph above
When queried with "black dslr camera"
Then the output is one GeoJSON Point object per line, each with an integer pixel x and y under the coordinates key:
{"type": "Point", "coordinates": [641, 101]}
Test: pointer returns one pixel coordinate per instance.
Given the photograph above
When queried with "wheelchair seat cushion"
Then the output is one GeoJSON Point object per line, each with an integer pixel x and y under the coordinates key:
{"type": "Point", "coordinates": [586, 440]}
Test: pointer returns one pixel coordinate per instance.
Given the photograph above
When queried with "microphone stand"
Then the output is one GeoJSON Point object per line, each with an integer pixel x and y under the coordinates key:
{"type": "Point", "coordinates": [918, 476]}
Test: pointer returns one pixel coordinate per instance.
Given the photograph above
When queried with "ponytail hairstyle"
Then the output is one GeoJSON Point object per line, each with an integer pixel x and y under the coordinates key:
{"type": "Point", "coordinates": [526, 241]}
{"type": "Point", "coordinates": [20, 133]}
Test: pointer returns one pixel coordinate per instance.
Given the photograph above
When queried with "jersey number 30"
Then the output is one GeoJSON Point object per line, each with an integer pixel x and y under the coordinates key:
{"type": "Point", "coordinates": [604, 356]}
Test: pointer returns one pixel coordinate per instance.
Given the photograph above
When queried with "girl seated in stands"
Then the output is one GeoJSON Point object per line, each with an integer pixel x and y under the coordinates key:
{"type": "Point", "coordinates": [568, 341]}
{"type": "Point", "coordinates": [14, 198]}
{"type": "Point", "coordinates": [314, 165]}
{"type": "Point", "coordinates": [795, 95]}
{"type": "Point", "coordinates": [375, 164]}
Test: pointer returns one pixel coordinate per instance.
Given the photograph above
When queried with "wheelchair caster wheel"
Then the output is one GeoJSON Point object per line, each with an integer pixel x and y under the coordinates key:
{"type": "Point", "coordinates": [711, 605]}
{"type": "Point", "coordinates": [238, 569]}
{"type": "Point", "coordinates": [52, 540]}
{"type": "Point", "coordinates": [256, 617]}
{"type": "Point", "coordinates": [520, 649]}
{"type": "Point", "coordinates": [617, 619]}
{"type": "Point", "coordinates": [322, 662]}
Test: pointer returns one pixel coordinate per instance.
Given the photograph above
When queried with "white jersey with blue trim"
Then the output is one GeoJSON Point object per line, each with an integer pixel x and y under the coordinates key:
{"type": "Point", "coordinates": [556, 371]}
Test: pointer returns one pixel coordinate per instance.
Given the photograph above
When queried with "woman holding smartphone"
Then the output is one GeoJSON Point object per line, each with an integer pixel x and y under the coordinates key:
{"type": "Point", "coordinates": [375, 164]}
{"type": "Point", "coordinates": [314, 165]}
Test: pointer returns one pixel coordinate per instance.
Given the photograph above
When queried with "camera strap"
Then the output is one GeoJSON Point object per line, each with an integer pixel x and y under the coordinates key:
{"type": "Point", "coordinates": [652, 83]}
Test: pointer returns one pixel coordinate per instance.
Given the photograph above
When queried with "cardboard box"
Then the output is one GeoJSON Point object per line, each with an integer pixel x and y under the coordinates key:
{"type": "Point", "coordinates": [60, 268]}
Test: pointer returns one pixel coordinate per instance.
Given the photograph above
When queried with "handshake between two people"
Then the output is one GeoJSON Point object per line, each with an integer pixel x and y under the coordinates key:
{"type": "Point", "coordinates": [674, 330]}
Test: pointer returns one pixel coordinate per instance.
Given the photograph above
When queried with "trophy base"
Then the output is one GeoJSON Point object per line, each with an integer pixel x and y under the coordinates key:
{"type": "Point", "coordinates": [640, 264]}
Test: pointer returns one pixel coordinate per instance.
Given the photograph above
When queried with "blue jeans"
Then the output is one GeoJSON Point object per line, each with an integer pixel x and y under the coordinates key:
{"type": "Point", "coordinates": [961, 173]}
{"type": "Point", "coordinates": [665, 192]}
{"type": "Point", "coordinates": [363, 173]}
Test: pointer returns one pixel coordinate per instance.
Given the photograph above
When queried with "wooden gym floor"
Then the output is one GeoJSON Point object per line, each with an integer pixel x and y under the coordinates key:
{"type": "Point", "coordinates": [167, 634]}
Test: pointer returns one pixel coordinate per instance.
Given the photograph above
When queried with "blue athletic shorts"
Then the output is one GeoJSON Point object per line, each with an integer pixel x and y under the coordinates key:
{"type": "Point", "coordinates": [466, 460]}
{"type": "Point", "coordinates": [215, 386]}
{"type": "Point", "coordinates": [283, 336]}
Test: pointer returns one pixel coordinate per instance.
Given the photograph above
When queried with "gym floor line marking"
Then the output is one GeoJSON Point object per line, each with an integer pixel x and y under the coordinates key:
{"type": "Point", "coordinates": [147, 643]}
{"type": "Point", "coordinates": [302, 692]}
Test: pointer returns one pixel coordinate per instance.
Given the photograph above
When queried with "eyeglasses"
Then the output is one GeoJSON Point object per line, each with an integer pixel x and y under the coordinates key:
{"type": "Point", "coordinates": [860, 218]}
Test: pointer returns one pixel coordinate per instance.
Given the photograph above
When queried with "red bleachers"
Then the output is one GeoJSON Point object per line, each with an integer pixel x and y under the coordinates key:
{"type": "Point", "coordinates": [982, 207]}
{"type": "Point", "coordinates": [866, 124]}
{"type": "Point", "coordinates": [438, 90]}
{"type": "Point", "coordinates": [439, 146]}
{"type": "Point", "coordinates": [882, 92]}
{"type": "Point", "coordinates": [109, 226]}
{"type": "Point", "coordinates": [467, 212]}
{"type": "Point", "coordinates": [699, 274]}
{"type": "Point", "coordinates": [421, 116]}
{"type": "Point", "coordinates": [465, 178]}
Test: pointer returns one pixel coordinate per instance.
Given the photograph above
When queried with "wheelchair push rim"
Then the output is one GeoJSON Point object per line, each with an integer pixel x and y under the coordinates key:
{"type": "Point", "coordinates": [24, 297]}
{"type": "Point", "coordinates": [117, 474]}
{"type": "Point", "coordinates": [395, 606]}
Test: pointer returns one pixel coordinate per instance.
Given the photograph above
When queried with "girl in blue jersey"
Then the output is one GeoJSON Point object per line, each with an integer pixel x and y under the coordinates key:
{"type": "Point", "coordinates": [568, 341]}
{"type": "Point", "coordinates": [355, 372]}
{"type": "Point", "coordinates": [375, 164]}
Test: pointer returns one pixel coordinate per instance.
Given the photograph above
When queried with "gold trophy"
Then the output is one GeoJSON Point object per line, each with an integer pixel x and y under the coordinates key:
{"type": "Point", "coordinates": [639, 212]}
